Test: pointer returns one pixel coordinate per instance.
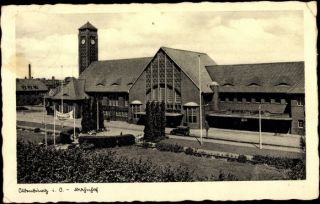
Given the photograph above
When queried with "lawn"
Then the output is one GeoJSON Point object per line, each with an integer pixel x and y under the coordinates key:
{"type": "Point", "coordinates": [233, 148]}
{"type": "Point", "coordinates": [202, 166]}
{"type": "Point", "coordinates": [33, 137]}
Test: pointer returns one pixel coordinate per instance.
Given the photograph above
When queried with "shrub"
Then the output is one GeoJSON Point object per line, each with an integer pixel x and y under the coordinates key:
{"type": "Point", "coordinates": [189, 151]}
{"type": "Point", "coordinates": [169, 147]}
{"type": "Point", "coordinates": [124, 140]}
{"type": "Point", "coordinates": [296, 167]}
{"type": "Point", "coordinates": [109, 141]}
{"type": "Point", "coordinates": [37, 164]}
{"type": "Point", "coordinates": [298, 172]}
{"type": "Point", "coordinates": [65, 139]}
{"type": "Point", "coordinates": [36, 130]}
{"type": "Point", "coordinates": [242, 158]}
{"type": "Point", "coordinates": [226, 176]}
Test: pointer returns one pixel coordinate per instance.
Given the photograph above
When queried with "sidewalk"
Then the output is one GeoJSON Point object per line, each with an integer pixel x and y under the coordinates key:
{"type": "Point", "coordinates": [283, 140]}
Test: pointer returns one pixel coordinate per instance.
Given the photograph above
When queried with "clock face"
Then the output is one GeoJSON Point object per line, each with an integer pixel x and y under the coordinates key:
{"type": "Point", "coordinates": [93, 42]}
{"type": "Point", "coordinates": [83, 41]}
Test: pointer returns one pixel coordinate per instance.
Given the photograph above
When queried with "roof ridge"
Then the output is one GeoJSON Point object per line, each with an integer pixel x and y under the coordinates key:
{"type": "Point", "coordinates": [183, 50]}
{"type": "Point", "coordinates": [123, 59]}
{"type": "Point", "coordinates": [260, 63]}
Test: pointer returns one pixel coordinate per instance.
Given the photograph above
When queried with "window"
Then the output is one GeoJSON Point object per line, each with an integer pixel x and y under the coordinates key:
{"type": "Point", "coordinates": [126, 103]}
{"type": "Point", "coordinates": [300, 124]}
{"type": "Point", "coordinates": [191, 115]}
{"type": "Point", "coordinates": [177, 97]}
{"type": "Point", "coordinates": [300, 101]}
{"type": "Point", "coordinates": [162, 94]}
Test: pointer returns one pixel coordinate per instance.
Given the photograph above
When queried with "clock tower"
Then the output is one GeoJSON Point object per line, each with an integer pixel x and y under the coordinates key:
{"type": "Point", "coordinates": [88, 46]}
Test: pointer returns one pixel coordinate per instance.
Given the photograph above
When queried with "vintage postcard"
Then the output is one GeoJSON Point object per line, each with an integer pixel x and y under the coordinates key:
{"type": "Point", "coordinates": [160, 102]}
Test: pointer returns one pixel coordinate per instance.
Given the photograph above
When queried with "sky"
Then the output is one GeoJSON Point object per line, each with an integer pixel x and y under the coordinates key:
{"type": "Point", "coordinates": [48, 40]}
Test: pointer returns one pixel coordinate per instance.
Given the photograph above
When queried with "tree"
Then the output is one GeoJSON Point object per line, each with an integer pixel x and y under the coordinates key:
{"type": "Point", "coordinates": [85, 121]}
{"type": "Point", "coordinates": [93, 111]}
{"type": "Point", "coordinates": [101, 117]}
{"type": "Point", "coordinates": [148, 133]}
{"type": "Point", "coordinates": [155, 122]}
{"type": "Point", "coordinates": [163, 120]}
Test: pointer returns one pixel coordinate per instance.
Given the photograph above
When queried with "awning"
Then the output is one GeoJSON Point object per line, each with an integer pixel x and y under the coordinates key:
{"type": "Point", "coordinates": [136, 102]}
{"type": "Point", "coordinates": [173, 114]}
{"type": "Point", "coordinates": [166, 114]}
{"type": "Point", "coordinates": [256, 116]}
{"type": "Point", "coordinates": [191, 104]}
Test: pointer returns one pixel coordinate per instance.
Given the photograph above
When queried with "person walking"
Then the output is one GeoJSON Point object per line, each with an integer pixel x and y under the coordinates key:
{"type": "Point", "coordinates": [206, 125]}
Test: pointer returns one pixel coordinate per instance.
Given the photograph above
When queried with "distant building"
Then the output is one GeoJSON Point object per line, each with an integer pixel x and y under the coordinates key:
{"type": "Point", "coordinates": [72, 96]}
{"type": "Point", "coordinates": [30, 92]}
{"type": "Point", "coordinates": [231, 94]}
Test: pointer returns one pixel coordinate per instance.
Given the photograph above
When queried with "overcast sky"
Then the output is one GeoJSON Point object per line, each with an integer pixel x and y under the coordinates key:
{"type": "Point", "coordinates": [48, 41]}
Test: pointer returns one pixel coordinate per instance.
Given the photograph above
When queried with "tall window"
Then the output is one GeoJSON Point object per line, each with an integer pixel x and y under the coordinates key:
{"type": "Point", "coordinates": [163, 78]}
{"type": "Point", "coordinates": [300, 101]}
{"type": "Point", "coordinates": [135, 108]}
{"type": "Point", "coordinates": [191, 115]}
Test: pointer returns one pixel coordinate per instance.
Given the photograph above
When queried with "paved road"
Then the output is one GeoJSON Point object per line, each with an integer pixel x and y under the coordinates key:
{"type": "Point", "coordinates": [242, 138]}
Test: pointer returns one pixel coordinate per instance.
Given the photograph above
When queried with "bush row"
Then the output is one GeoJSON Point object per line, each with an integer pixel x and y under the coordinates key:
{"type": "Point", "coordinates": [169, 147]}
{"type": "Point", "coordinates": [296, 166]}
{"type": "Point", "coordinates": [110, 141]}
{"type": "Point", "coordinates": [36, 164]}
{"type": "Point", "coordinates": [281, 163]}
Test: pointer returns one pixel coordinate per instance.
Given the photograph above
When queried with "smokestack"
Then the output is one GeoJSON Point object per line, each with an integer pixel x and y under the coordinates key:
{"type": "Point", "coordinates": [29, 71]}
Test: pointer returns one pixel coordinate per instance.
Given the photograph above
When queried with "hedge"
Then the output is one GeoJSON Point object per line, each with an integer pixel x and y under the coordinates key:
{"type": "Point", "coordinates": [37, 164]}
{"type": "Point", "coordinates": [108, 141]}
{"type": "Point", "coordinates": [297, 167]}
{"type": "Point", "coordinates": [169, 147]}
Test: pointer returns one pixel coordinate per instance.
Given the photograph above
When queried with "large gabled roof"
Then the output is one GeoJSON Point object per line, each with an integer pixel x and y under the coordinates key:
{"type": "Point", "coordinates": [188, 61]}
{"type": "Point", "coordinates": [113, 75]}
{"type": "Point", "coordinates": [30, 85]}
{"type": "Point", "coordinates": [280, 77]}
{"type": "Point", "coordinates": [88, 26]}
{"type": "Point", "coordinates": [74, 90]}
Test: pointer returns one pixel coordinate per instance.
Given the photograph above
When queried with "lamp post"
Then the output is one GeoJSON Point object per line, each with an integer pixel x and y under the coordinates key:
{"type": "Point", "coordinates": [200, 99]}
{"type": "Point", "coordinates": [260, 135]}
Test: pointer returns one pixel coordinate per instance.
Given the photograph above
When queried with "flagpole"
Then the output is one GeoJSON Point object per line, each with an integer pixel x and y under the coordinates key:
{"type": "Point", "coordinates": [54, 124]}
{"type": "Point", "coordinates": [260, 136]}
{"type": "Point", "coordinates": [44, 120]}
{"type": "Point", "coordinates": [61, 93]}
{"type": "Point", "coordinates": [200, 107]}
{"type": "Point", "coordinates": [97, 114]}
{"type": "Point", "coordinates": [74, 121]}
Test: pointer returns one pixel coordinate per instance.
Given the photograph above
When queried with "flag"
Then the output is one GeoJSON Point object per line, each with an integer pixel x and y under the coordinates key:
{"type": "Point", "coordinates": [64, 116]}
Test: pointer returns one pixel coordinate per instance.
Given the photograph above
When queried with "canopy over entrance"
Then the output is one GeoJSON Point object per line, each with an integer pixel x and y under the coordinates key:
{"type": "Point", "coordinates": [191, 104]}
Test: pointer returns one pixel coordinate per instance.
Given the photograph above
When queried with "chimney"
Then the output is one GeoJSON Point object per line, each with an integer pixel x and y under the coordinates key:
{"type": "Point", "coordinates": [29, 71]}
{"type": "Point", "coordinates": [215, 87]}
